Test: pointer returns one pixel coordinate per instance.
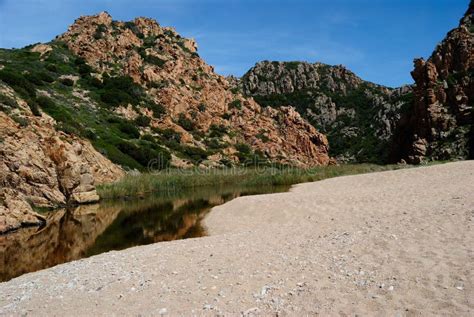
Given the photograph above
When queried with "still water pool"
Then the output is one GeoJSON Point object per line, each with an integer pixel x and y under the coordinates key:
{"type": "Point", "coordinates": [83, 231]}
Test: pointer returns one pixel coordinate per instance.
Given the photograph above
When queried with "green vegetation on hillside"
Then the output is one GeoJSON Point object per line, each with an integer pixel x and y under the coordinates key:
{"type": "Point", "coordinates": [368, 147]}
{"type": "Point", "coordinates": [53, 82]}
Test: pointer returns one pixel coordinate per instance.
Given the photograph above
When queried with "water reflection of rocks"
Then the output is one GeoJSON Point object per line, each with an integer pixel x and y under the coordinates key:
{"type": "Point", "coordinates": [71, 234]}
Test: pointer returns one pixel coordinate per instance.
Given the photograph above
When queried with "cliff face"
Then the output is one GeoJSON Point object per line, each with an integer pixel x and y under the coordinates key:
{"type": "Point", "coordinates": [42, 167]}
{"type": "Point", "coordinates": [439, 126]}
{"type": "Point", "coordinates": [358, 117]}
{"type": "Point", "coordinates": [196, 104]}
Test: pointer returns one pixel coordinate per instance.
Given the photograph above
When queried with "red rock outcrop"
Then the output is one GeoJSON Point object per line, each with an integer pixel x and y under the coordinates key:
{"type": "Point", "coordinates": [440, 124]}
{"type": "Point", "coordinates": [168, 65]}
{"type": "Point", "coordinates": [42, 167]}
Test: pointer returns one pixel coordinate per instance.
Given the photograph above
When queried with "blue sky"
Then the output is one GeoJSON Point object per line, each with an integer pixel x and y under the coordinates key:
{"type": "Point", "coordinates": [377, 39]}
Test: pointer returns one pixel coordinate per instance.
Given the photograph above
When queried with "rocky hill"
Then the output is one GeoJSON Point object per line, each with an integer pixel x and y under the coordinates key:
{"type": "Point", "coordinates": [108, 96]}
{"type": "Point", "coordinates": [440, 123]}
{"type": "Point", "coordinates": [178, 103]}
{"type": "Point", "coordinates": [431, 120]}
{"type": "Point", "coordinates": [358, 117]}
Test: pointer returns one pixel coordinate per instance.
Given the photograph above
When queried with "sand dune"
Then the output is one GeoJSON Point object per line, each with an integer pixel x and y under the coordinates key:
{"type": "Point", "coordinates": [390, 243]}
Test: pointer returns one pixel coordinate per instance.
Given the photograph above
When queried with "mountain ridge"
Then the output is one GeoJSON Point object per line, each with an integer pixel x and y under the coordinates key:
{"type": "Point", "coordinates": [108, 96]}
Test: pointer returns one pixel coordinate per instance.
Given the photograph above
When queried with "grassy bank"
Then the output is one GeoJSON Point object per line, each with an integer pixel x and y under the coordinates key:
{"type": "Point", "coordinates": [176, 180]}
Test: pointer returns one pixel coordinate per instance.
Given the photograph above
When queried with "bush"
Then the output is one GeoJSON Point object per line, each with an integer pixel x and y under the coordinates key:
{"type": "Point", "coordinates": [18, 82]}
{"type": "Point", "coordinates": [158, 109]}
{"type": "Point", "coordinates": [215, 143]}
{"type": "Point", "coordinates": [292, 65]}
{"type": "Point", "coordinates": [46, 102]}
{"type": "Point", "coordinates": [170, 135]}
{"type": "Point", "coordinates": [99, 31]}
{"type": "Point", "coordinates": [195, 153]}
{"type": "Point", "coordinates": [115, 97]}
{"type": "Point", "coordinates": [217, 130]}
{"type": "Point", "coordinates": [39, 78]}
{"type": "Point", "coordinates": [152, 59]}
{"type": "Point", "coordinates": [34, 107]}
{"type": "Point", "coordinates": [120, 90]}
{"type": "Point", "coordinates": [149, 41]}
{"type": "Point", "coordinates": [146, 153]}
{"type": "Point", "coordinates": [237, 104]}
{"type": "Point", "coordinates": [52, 68]}
{"type": "Point", "coordinates": [186, 123]}
{"type": "Point", "coordinates": [84, 70]}
{"type": "Point", "coordinates": [143, 121]}
{"type": "Point", "coordinates": [148, 137]}
{"type": "Point", "coordinates": [244, 154]}
{"type": "Point", "coordinates": [44, 76]}
{"type": "Point", "coordinates": [10, 102]}
{"type": "Point", "coordinates": [133, 27]}
{"type": "Point", "coordinates": [129, 129]}
{"type": "Point", "coordinates": [262, 136]}
{"type": "Point", "coordinates": [22, 121]}
{"type": "Point", "coordinates": [95, 82]}
{"type": "Point", "coordinates": [202, 107]}
{"type": "Point", "coordinates": [67, 82]}
{"type": "Point", "coordinates": [243, 148]}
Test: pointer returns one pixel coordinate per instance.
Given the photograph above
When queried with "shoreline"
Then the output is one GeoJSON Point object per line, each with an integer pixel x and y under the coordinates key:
{"type": "Point", "coordinates": [378, 243]}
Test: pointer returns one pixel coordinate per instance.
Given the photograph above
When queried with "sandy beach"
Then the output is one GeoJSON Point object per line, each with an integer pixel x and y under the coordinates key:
{"type": "Point", "coordinates": [397, 243]}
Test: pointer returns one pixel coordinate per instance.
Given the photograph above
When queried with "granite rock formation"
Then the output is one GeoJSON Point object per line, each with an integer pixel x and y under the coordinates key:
{"type": "Point", "coordinates": [440, 124]}
{"type": "Point", "coordinates": [196, 101]}
{"type": "Point", "coordinates": [358, 117]}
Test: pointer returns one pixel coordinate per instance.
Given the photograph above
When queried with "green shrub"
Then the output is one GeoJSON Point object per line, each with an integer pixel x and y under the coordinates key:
{"type": "Point", "coordinates": [215, 143]}
{"type": "Point", "coordinates": [84, 70]}
{"type": "Point", "coordinates": [244, 153]}
{"type": "Point", "coordinates": [202, 107]}
{"type": "Point", "coordinates": [243, 148]}
{"type": "Point", "coordinates": [142, 121]}
{"type": "Point", "coordinates": [34, 107]}
{"type": "Point", "coordinates": [18, 82]}
{"type": "Point", "coordinates": [155, 60]}
{"type": "Point", "coordinates": [133, 27]}
{"type": "Point", "coordinates": [89, 134]}
{"type": "Point", "coordinates": [146, 153]}
{"type": "Point", "coordinates": [158, 84]}
{"type": "Point", "coordinates": [129, 129]}
{"type": "Point", "coordinates": [120, 90]}
{"type": "Point", "coordinates": [115, 97]}
{"type": "Point", "coordinates": [22, 121]}
{"type": "Point", "coordinates": [10, 102]}
{"type": "Point", "coordinates": [95, 82]}
{"type": "Point", "coordinates": [262, 136]}
{"type": "Point", "coordinates": [217, 130]}
{"type": "Point", "coordinates": [148, 137]}
{"type": "Point", "coordinates": [99, 31]}
{"type": "Point", "coordinates": [39, 78]}
{"type": "Point", "coordinates": [195, 153]}
{"type": "Point", "coordinates": [292, 65]}
{"type": "Point", "coordinates": [46, 102]}
{"type": "Point", "coordinates": [51, 67]}
{"type": "Point", "coordinates": [237, 104]}
{"type": "Point", "coordinates": [169, 134]}
{"type": "Point", "coordinates": [186, 123]}
{"type": "Point", "coordinates": [149, 41]}
{"type": "Point", "coordinates": [67, 82]}
{"type": "Point", "coordinates": [47, 78]}
{"type": "Point", "coordinates": [158, 109]}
